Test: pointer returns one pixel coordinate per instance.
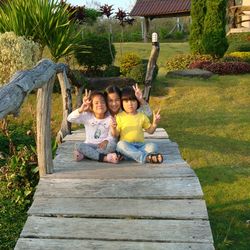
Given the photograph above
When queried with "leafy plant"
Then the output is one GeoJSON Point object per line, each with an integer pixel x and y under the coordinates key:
{"type": "Point", "coordinates": [97, 54]}
{"type": "Point", "coordinates": [21, 173]}
{"type": "Point", "coordinates": [16, 53]}
{"type": "Point", "coordinates": [179, 62]}
{"type": "Point", "coordinates": [44, 21]}
{"type": "Point", "coordinates": [240, 56]}
{"type": "Point", "coordinates": [128, 61]}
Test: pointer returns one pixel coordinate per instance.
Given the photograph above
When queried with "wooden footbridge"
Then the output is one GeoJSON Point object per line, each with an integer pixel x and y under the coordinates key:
{"type": "Point", "coordinates": [92, 205]}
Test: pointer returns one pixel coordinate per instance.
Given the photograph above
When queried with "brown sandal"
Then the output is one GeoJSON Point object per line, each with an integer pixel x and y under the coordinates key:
{"type": "Point", "coordinates": [155, 158]}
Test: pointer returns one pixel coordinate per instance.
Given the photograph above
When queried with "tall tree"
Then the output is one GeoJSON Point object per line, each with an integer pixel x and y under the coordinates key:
{"type": "Point", "coordinates": [214, 39]}
{"type": "Point", "coordinates": [198, 12]}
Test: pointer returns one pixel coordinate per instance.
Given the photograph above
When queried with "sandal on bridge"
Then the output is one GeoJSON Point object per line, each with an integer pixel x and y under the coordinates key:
{"type": "Point", "coordinates": [154, 158]}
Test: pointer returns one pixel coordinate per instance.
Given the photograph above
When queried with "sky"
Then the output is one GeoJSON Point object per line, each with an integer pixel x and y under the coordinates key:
{"type": "Point", "coordinates": [125, 5]}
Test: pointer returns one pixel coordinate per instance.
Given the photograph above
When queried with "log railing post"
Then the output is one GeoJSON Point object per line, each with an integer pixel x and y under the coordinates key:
{"type": "Point", "coordinates": [44, 151]}
{"type": "Point", "coordinates": [67, 105]}
{"type": "Point", "coordinates": [151, 66]}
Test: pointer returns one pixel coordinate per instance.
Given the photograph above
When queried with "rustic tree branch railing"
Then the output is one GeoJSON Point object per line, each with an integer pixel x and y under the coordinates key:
{"type": "Point", "coordinates": [41, 77]}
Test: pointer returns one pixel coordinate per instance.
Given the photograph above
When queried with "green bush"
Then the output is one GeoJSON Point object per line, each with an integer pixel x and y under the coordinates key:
{"type": "Point", "coordinates": [179, 62]}
{"type": "Point", "coordinates": [198, 12]}
{"type": "Point", "coordinates": [16, 53]}
{"type": "Point", "coordinates": [237, 56]}
{"type": "Point", "coordinates": [111, 71]}
{"type": "Point", "coordinates": [138, 73]}
{"type": "Point", "coordinates": [239, 42]}
{"type": "Point", "coordinates": [214, 39]}
{"type": "Point", "coordinates": [128, 61]}
{"type": "Point", "coordinates": [97, 54]}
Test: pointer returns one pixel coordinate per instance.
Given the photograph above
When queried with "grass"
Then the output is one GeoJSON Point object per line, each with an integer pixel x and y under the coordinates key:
{"type": "Point", "coordinates": [209, 119]}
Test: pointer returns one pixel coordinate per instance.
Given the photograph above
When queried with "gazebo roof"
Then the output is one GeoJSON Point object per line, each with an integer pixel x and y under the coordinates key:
{"type": "Point", "coordinates": [161, 8]}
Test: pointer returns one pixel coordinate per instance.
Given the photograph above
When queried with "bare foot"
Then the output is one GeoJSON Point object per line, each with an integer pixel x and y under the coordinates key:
{"type": "Point", "coordinates": [111, 158]}
{"type": "Point", "coordinates": [78, 156]}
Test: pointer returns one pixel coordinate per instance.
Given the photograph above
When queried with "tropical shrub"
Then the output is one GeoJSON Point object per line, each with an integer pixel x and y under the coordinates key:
{"type": "Point", "coordinates": [16, 53]}
{"type": "Point", "coordinates": [179, 62]}
{"type": "Point", "coordinates": [214, 41]}
{"type": "Point", "coordinates": [128, 61]}
{"type": "Point", "coordinates": [97, 54]}
{"type": "Point", "coordinates": [44, 21]}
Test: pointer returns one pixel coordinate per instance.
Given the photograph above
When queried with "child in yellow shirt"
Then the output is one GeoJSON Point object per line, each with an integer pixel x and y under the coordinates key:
{"type": "Point", "coordinates": [129, 125]}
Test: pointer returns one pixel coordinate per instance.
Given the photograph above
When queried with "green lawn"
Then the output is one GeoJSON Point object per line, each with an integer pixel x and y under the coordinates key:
{"type": "Point", "coordinates": [210, 121]}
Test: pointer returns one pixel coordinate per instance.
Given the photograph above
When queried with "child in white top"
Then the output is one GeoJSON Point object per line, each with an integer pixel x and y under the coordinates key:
{"type": "Point", "coordinates": [99, 143]}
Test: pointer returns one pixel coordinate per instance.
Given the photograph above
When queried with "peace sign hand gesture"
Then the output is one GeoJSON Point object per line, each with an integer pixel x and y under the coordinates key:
{"type": "Point", "coordinates": [156, 117]}
{"type": "Point", "coordinates": [138, 93]}
{"type": "Point", "coordinates": [85, 102]}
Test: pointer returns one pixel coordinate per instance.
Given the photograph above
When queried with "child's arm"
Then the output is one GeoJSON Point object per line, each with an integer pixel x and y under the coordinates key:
{"type": "Point", "coordinates": [156, 120]}
{"type": "Point", "coordinates": [113, 127]}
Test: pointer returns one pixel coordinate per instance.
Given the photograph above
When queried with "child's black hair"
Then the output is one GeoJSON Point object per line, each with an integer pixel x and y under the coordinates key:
{"type": "Point", "coordinates": [128, 93]}
{"type": "Point", "coordinates": [111, 90]}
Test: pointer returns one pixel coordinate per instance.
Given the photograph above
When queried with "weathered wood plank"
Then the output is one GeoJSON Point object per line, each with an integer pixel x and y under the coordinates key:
{"type": "Point", "coordinates": [119, 208]}
{"type": "Point", "coordinates": [79, 135]}
{"type": "Point", "coordinates": [95, 170]}
{"type": "Point", "coordinates": [161, 188]}
{"type": "Point", "coordinates": [118, 229]}
{"type": "Point", "coordinates": [52, 244]}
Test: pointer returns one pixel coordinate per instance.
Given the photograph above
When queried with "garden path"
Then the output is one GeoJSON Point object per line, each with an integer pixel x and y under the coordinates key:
{"type": "Point", "coordinates": [92, 205]}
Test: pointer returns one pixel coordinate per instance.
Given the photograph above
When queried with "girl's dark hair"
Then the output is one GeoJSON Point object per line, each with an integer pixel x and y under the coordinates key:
{"type": "Point", "coordinates": [111, 90]}
{"type": "Point", "coordinates": [128, 93]}
{"type": "Point", "coordinates": [97, 93]}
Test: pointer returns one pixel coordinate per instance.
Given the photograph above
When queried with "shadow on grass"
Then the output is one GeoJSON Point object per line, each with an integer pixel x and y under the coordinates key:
{"type": "Point", "coordinates": [212, 143]}
{"type": "Point", "coordinates": [212, 175]}
{"type": "Point", "coordinates": [229, 221]}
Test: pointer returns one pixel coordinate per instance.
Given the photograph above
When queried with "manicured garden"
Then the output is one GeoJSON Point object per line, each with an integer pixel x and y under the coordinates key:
{"type": "Point", "coordinates": [208, 118]}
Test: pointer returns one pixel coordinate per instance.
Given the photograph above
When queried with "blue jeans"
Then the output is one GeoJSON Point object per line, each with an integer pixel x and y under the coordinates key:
{"type": "Point", "coordinates": [137, 151]}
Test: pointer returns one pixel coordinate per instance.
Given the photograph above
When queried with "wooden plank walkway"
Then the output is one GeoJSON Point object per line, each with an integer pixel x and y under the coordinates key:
{"type": "Point", "coordinates": [91, 205]}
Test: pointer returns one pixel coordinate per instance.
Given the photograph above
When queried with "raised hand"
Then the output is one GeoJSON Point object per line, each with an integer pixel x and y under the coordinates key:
{"type": "Point", "coordinates": [138, 93]}
{"type": "Point", "coordinates": [85, 102]}
{"type": "Point", "coordinates": [156, 117]}
{"type": "Point", "coordinates": [86, 96]}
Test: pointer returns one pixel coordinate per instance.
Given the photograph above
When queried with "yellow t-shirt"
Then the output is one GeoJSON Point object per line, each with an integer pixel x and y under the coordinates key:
{"type": "Point", "coordinates": [131, 126]}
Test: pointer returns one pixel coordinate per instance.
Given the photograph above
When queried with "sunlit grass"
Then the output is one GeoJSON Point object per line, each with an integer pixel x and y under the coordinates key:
{"type": "Point", "coordinates": [210, 121]}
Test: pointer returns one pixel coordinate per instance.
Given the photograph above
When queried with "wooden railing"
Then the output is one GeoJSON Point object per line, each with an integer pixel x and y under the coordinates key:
{"type": "Point", "coordinates": [236, 13]}
{"type": "Point", "coordinates": [41, 77]}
